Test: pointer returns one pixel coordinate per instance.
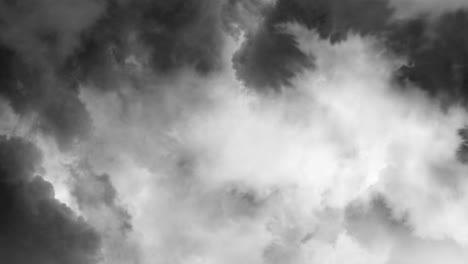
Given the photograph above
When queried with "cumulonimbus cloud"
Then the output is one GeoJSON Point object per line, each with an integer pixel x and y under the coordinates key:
{"type": "Point", "coordinates": [219, 132]}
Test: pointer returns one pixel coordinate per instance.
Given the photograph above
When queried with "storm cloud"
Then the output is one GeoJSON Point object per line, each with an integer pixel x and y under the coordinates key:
{"type": "Point", "coordinates": [262, 131]}
{"type": "Point", "coordinates": [35, 227]}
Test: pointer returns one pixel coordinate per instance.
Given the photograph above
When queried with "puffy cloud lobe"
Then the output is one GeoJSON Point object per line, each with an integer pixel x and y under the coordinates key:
{"type": "Point", "coordinates": [34, 227]}
{"type": "Point", "coordinates": [96, 193]}
{"type": "Point", "coordinates": [97, 200]}
{"type": "Point", "coordinates": [270, 57]}
{"type": "Point", "coordinates": [376, 226]}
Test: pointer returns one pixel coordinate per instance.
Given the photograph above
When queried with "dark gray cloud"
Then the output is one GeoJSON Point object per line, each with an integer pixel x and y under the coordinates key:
{"type": "Point", "coordinates": [462, 152]}
{"type": "Point", "coordinates": [50, 48]}
{"type": "Point", "coordinates": [173, 34]}
{"type": "Point", "coordinates": [34, 227]}
{"type": "Point", "coordinates": [46, 32]}
{"type": "Point", "coordinates": [46, 54]}
{"type": "Point", "coordinates": [270, 58]}
{"type": "Point", "coordinates": [36, 38]}
{"type": "Point", "coordinates": [437, 51]}
{"type": "Point", "coordinates": [53, 103]}
{"type": "Point", "coordinates": [436, 48]}
{"type": "Point", "coordinates": [372, 222]}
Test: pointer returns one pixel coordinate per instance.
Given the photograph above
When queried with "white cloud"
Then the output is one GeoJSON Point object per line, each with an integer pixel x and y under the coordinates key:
{"type": "Point", "coordinates": [214, 173]}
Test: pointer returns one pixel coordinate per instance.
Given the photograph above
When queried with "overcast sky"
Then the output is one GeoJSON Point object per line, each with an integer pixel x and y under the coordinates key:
{"type": "Point", "coordinates": [227, 131]}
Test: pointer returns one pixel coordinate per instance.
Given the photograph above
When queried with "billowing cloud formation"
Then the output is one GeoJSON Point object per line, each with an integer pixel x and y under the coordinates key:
{"type": "Point", "coordinates": [238, 130]}
{"type": "Point", "coordinates": [435, 48]}
{"type": "Point", "coordinates": [34, 227]}
{"type": "Point", "coordinates": [36, 39]}
{"type": "Point", "coordinates": [275, 177]}
{"type": "Point", "coordinates": [97, 200]}
{"type": "Point", "coordinates": [163, 35]}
